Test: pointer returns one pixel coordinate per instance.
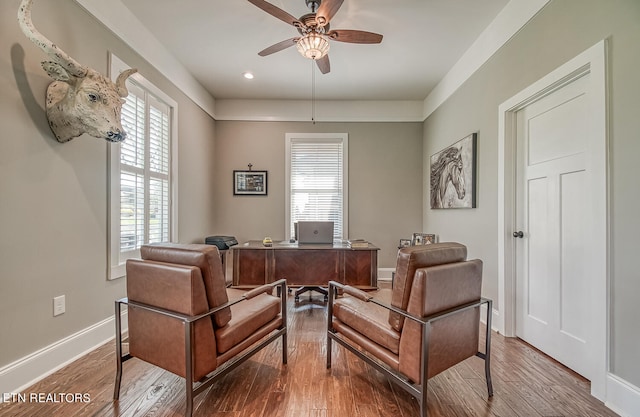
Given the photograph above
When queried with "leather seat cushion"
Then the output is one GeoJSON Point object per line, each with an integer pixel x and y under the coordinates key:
{"type": "Point", "coordinates": [368, 319]}
{"type": "Point", "coordinates": [246, 318]}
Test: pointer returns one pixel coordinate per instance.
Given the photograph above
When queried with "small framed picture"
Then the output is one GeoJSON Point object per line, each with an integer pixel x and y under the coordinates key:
{"type": "Point", "coordinates": [423, 239]}
{"type": "Point", "coordinates": [249, 182]}
{"type": "Point", "coordinates": [404, 243]}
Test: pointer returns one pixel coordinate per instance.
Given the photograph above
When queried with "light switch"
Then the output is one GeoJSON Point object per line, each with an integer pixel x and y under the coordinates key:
{"type": "Point", "coordinates": [58, 305]}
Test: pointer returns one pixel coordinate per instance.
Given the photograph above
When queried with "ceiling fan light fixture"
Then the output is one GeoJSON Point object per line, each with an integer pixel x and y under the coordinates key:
{"type": "Point", "coordinates": [313, 46]}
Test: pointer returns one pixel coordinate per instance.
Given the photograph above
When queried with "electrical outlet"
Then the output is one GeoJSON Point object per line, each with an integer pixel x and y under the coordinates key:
{"type": "Point", "coordinates": [58, 305]}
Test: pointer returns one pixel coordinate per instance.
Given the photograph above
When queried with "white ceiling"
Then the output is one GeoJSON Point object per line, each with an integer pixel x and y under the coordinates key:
{"type": "Point", "coordinates": [218, 40]}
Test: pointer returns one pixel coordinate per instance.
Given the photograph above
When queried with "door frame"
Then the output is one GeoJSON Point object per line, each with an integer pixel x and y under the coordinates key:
{"type": "Point", "coordinates": [593, 62]}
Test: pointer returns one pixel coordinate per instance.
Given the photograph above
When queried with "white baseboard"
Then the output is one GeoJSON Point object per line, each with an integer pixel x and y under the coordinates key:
{"type": "Point", "coordinates": [384, 274]}
{"type": "Point", "coordinates": [21, 374]}
{"type": "Point", "coordinates": [622, 397]}
{"type": "Point", "coordinates": [494, 317]}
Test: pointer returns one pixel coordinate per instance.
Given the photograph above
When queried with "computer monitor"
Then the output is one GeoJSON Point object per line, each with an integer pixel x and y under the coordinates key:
{"type": "Point", "coordinates": [315, 232]}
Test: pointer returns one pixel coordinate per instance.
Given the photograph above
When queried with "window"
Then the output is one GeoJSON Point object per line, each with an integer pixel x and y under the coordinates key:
{"type": "Point", "coordinates": [140, 172]}
{"type": "Point", "coordinates": [317, 180]}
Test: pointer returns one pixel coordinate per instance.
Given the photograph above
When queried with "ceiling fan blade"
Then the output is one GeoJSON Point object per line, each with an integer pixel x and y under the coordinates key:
{"type": "Point", "coordinates": [278, 47]}
{"type": "Point", "coordinates": [323, 64]}
{"type": "Point", "coordinates": [327, 10]}
{"type": "Point", "coordinates": [276, 12]}
{"type": "Point", "coordinates": [354, 36]}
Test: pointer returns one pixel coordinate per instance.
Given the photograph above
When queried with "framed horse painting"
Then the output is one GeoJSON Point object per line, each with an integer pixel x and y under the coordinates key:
{"type": "Point", "coordinates": [453, 175]}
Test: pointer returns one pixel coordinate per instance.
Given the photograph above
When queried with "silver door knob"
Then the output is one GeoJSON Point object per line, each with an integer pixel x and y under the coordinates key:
{"type": "Point", "coordinates": [518, 234]}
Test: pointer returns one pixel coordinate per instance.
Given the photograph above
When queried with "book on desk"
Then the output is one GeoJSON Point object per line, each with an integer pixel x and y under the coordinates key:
{"type": "Point", "coordinates": [357, 243]}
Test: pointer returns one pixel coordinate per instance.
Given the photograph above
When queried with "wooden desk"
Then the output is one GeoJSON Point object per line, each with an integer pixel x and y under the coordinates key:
{"type": "Point", "coordinates": [304, 265]}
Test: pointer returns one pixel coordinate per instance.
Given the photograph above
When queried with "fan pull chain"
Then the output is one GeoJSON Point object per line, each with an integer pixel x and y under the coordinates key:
{"type": "Point", "coordinates": [313, 92]}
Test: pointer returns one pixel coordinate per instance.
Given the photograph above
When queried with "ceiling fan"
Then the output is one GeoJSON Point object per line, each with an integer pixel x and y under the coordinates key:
{"type": "Point", "coordinates": [313, 42]}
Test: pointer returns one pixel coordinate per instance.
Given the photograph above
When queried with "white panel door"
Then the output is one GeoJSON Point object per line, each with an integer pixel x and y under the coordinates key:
{"type": "Point", "coordinates": [553, 277]}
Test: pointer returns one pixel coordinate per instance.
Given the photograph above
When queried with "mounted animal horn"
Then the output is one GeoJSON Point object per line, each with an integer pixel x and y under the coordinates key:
{"type": "Point", "coordinates": [80, 100]}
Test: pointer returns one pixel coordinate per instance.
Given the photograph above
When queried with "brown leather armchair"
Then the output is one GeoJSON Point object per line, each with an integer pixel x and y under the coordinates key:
{"type": "Point", "coordinates": [430, 324]}
{"type": "Point", "coordinates": [181, 319]}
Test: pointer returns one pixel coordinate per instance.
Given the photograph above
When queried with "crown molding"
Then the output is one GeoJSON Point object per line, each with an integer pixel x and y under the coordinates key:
{"type": "Point", "coordinates": [507, 23]}
{"type": "Point", "coordinates": [116, 17]}
{"type": "Point", "coordinates": [325, 110]}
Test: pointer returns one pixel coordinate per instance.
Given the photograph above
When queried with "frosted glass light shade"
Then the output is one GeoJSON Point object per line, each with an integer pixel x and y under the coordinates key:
{"type": "Point", "coordinates": [313, 46]}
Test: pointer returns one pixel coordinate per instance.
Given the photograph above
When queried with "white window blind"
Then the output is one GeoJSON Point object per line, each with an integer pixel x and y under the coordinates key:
{"type": "Point", "coordinates": [140, 174]}
{"type": "Point", "coordinates": [317, 180]}
{"type": "Point", "coordinates": [144, 170]}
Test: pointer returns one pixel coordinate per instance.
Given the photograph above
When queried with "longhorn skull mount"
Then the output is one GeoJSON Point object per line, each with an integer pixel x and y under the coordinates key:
{"type": "Point", "coordinates": [80, 100]}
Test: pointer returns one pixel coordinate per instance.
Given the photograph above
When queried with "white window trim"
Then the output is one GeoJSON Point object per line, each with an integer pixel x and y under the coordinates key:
{"type": "Point", "coordinates": [344, 138]}
{"type": "Point", "coordinates": [116, 267]}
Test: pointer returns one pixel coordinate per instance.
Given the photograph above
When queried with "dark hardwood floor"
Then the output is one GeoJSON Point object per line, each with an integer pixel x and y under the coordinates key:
{"type": "Point", "coordinates": [526, 383]}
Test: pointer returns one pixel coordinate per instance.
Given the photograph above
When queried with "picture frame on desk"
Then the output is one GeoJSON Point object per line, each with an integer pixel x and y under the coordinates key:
{"type": "Point", "coordinates": [419, 239]}
{"type": "Point", "coordinates": [404, 243]}
{"type": "Point", "coordinates": [249, 182]}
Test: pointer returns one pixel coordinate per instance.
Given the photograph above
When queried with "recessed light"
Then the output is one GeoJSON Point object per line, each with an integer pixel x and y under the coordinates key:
{"type": "Point", "coordinates": [247, 75]}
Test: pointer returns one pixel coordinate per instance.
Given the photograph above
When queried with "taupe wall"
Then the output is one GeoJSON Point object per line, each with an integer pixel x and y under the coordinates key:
{"type": "Point", "coordinates": [53, 197]}
{"type": "Point", "coordinates": [562, 30]}
{"type": "Point", "coordinates": [385, 180]}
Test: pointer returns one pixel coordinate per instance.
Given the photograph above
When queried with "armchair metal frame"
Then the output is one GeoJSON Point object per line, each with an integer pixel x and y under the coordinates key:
{"type": "Point", "coordinates": [193, 389]}
{"type": "Point", "coordinates": [419, 391]}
